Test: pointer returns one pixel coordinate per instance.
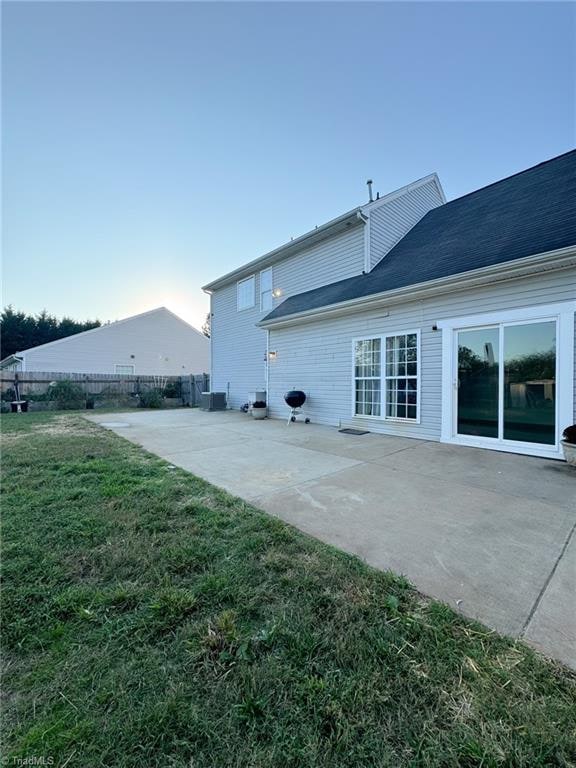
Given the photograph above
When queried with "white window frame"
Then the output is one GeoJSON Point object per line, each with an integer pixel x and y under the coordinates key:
{"type": "Point", "coordinates": [365, 378]}
{"type": "Point", "coordinates": [124, 365]}
{"type": "Point", "coordinates": [384, 378]}
{"type": "Point", "coordinates": [563, 314]}
{"type": "Point", "coordinates": [270, 290]}
{"type": "Point", "coordinates": [238, 284]}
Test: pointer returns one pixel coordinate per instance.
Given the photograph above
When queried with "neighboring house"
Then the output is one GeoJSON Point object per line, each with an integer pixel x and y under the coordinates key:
{"type": "Point", "coordinates": [157, 343]}
{"type": "Point", "coordinates": [416, 317]}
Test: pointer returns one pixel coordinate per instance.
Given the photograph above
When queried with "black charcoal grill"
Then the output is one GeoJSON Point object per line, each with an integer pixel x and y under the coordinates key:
{"type": "Point", "coordinates": [295, 399]}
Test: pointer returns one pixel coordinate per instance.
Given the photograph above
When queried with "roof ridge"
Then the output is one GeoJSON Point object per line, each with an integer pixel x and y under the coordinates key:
{"type": "Point", "coordinates": [512, 175]}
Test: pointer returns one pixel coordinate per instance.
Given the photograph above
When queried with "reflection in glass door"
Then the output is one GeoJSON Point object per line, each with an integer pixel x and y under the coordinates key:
{"type": "Point", "coordinates": [507, 382]}
{"type": "Point", "coordinates": [530, 382]}
{"type": "Point", "coordinates": [478, 358]}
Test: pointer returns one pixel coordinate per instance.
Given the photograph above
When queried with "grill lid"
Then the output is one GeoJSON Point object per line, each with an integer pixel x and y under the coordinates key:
{"type": "Point", "coordinates": [295, 398]}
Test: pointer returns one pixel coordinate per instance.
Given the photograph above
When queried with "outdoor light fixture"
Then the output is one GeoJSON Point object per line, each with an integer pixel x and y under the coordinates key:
{"type": "Point", "coordinates": [276, 293]}
{"type": "Point", "coordinates": [272, 354]}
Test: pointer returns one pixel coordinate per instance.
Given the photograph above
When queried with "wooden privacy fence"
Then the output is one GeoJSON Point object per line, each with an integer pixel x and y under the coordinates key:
{"type": "Point", "coordinates": [102, 389]}
{"type": "Point", "coordinates": [192, 388]}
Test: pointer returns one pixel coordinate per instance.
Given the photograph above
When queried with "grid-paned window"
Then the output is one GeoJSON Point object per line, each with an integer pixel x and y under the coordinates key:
{"type": "Point", "coordinates": [266, 290]}
{"type": "Point", "coordinates": [245, 293]}
{"type": "Point", "coordinates": [367, 377]}
{"type": "Point", "coordinates": [401, 376]}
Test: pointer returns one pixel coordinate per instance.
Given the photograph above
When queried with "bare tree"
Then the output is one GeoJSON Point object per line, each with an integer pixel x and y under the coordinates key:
{"type": "Point", "coordinates": [206, 328]}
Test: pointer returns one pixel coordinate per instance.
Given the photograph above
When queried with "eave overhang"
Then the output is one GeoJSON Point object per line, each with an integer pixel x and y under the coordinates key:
{"type": "Point", "coordinates": [562, 258]}
{"type": "Point", "coordinates": [10, 359]}
{"type": "Point", "coordinates": [335, 226]}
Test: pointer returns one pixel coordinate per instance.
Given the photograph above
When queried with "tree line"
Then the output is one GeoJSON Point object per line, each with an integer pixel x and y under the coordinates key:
{"type": "Point", "coordinates": [19, 330]}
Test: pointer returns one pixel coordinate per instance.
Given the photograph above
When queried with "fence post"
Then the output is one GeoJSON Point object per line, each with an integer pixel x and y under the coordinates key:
{"type": "Point", "coordinates": [186, 385]}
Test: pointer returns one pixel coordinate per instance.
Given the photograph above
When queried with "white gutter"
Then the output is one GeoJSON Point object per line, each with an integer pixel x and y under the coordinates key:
{"type": "Point", "coordinates": [361, 213]}
{"type": "Point", "coordinates": [561, 258]}
{"type": "Point", "coordinates": [315, 235]}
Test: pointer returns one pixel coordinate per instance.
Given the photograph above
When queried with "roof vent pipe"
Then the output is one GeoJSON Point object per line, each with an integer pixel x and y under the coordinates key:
{"type": "Point", "coordinates": [370, 198]}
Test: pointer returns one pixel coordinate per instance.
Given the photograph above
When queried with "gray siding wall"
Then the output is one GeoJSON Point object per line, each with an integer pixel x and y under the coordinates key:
{"type": "Point", "coordinates": [161, 343]}
{"type": "Point", "coordinates": [317, 357]}
{"type": "Point", "coordinates": [390, 222]}
{"type": "Point", "coordinates": [238, 346]}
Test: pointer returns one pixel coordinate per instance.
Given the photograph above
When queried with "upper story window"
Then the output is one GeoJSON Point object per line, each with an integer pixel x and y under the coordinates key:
{"type": "Point", "coordinates": [266, 290]}
{"type": "Point", "coordinates": [246, 293]}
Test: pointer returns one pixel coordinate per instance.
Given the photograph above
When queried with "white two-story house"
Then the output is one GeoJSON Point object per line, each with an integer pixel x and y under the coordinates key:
{"type": "Point", "coordinates": [418, 317]}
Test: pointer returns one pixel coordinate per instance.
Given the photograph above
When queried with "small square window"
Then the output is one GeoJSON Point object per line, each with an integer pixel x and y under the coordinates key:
{"type": "Point", "coordinates": [124, 370]}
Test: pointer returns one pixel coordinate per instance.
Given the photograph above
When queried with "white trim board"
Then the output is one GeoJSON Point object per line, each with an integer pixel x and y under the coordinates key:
{"type": "Point", "coordinates": [562, 258]}
{"type": "Point", "coordinates": [563, 314]}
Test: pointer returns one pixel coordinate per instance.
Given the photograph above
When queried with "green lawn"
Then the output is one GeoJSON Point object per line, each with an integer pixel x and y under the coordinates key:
{"type": "Point", "coordinates": [150, 619]}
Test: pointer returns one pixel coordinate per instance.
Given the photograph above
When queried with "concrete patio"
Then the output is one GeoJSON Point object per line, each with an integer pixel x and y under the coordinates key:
{"type": "Point", "coordinates": [489, 533]}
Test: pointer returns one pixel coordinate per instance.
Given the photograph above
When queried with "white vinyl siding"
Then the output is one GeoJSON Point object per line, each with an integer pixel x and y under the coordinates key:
{"type": "Point", "coordinates": [245, 293]}
{"type": "Point", "coordinates": [156, 343]}
{"type": "Point", "coordinates": [316, 356]}
{"type": "Point", "coordinates": [390, 222]}
{"type": "Point", "coordinates": [328, 262]}
{"type": "Point", "coordinates": [238, 345]}
{"type": "Point", "coordinates": [266, 299]}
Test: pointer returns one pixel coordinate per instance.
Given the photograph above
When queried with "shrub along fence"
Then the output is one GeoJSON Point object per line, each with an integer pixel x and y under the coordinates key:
{"type": "Point", "coordinates": [62, 391]}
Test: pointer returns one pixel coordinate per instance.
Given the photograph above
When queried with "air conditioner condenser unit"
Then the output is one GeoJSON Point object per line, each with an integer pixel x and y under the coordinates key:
{"type": "Point", "coordinates": [213, 401]}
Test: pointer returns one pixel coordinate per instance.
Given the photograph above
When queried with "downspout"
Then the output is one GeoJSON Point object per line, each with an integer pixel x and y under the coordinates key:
{"type": "Point", "coordinates": [212, 348]}
{"type": "Point", "coordinates": [211, 294]}
{"type": "Point", "coordinates": [267, 366]}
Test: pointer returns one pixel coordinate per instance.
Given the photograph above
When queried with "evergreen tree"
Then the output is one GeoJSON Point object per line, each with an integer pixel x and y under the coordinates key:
{"type": "Point", "coordinates": [19, 331]}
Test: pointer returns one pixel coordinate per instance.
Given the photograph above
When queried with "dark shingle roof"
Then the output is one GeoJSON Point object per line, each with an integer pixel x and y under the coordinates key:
{"type": "Point", "coordinates": [529, 213]}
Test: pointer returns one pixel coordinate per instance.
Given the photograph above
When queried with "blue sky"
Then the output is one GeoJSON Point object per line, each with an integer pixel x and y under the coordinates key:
{"type": "Point", "coordinates": [150, 147]}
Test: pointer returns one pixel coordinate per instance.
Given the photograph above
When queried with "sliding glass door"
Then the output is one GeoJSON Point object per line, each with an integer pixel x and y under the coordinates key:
{"type": "Point", "coordinates": [506, 382]}
{"type": "Point", "coordinates": [529, 396]}
{"type": "Point", "coordinates": [478, 365]}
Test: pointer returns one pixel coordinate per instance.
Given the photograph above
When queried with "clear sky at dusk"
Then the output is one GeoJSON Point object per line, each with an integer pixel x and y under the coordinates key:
{"type": "Point", "coordinates": [150, 147]}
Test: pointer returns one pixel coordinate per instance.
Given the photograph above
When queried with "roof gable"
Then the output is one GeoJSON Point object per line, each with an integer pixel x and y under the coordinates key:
{"type": "Point", "coordinates": [355, 217]}
{"type": "Point", "coordinates": [106, 326]}
{"type": "Point", "coordinates": [529, 213]}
